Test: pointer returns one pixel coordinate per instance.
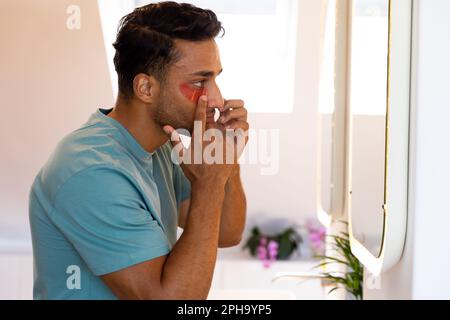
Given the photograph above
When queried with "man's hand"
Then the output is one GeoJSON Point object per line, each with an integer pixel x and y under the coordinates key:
{"type": "Point", "coordinates": [233, 116]}
{"type": "Point", "coordinates": [217, 174]}
{"type": "Point", "coordinates": [187, 271]}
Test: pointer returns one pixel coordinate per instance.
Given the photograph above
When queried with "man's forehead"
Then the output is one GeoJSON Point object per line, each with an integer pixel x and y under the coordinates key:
{"type": "Point", "coordinates": [198, 58]}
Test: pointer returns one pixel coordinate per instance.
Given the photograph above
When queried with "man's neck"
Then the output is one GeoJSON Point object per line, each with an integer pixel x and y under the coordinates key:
{"type": "Point", "coordinates": [139, 121]}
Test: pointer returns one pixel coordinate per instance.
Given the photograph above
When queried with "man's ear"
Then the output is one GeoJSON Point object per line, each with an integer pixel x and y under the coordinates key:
{"type": "Point", "coordinates": [146, 88]}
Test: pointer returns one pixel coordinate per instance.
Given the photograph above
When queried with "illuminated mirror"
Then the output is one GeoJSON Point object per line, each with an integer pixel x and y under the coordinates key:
{"type": "Point", "coordinates": [368, 109]}
{"type": "Point", "coordinates": [378, 117]}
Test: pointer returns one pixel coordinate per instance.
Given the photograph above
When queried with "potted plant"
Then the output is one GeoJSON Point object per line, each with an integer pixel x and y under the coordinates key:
{"type": "Point", "coordinates": [352, 278]}
{"type": "Point", "coordinates": [269, 248]}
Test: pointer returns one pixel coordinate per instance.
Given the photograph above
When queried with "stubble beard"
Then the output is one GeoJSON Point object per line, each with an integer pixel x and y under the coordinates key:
{"type": "Point", "coordinates": [168, 114]}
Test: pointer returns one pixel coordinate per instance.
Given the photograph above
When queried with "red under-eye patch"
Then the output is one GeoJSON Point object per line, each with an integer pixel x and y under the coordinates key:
{"type": "Point", "coordinates": [191, 93]}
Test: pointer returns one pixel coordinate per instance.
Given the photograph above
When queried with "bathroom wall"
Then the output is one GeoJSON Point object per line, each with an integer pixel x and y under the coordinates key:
{"type": "Point", "coordinates": [422, 272]}
{"type": "Point", "coordinates": [52, 96]}
{"type": "Point", "coordinates": [291, 194]}
{"type": "Point", "coordinates": [43, 96]}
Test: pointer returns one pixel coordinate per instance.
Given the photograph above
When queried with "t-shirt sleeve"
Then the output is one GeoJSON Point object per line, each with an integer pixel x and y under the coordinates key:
{"type": "Point", "coordinates": [182, 184]}
{"type": "Point", "coordinates": [103, 215]}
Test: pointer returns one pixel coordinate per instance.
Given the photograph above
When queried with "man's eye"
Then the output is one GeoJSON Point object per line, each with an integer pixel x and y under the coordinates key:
{"type": "Point", "coordinates": [199, 84]}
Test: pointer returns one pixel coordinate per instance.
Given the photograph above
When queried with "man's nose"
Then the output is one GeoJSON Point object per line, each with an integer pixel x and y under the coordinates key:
{"type": "Point", "coordinates": [215, 99]}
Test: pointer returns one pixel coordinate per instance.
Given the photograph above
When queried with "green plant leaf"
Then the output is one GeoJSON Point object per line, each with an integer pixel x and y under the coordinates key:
{"type": "Point", "coordinates": [352, 279]}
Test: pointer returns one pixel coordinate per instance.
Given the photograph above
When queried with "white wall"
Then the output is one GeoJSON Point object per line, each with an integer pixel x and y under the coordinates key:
{"type": "Point", "coordinates": [63, 78]}
{"type": "Point", "coordinates": [291, 194]}
{"type": "Point", "coordinates": [422, 273]}
{"type": "Point", "coordinates": [52, 79]}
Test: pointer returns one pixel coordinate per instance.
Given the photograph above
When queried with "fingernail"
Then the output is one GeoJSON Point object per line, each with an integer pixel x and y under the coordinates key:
{"type": "Point", "coordinates": [203, 98]}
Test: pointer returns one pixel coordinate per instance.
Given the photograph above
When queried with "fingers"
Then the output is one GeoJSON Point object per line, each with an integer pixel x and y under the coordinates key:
{"type": "Point", "coordinates": [232, 104]}
{"type": "Point", "coordinates": [200, 112]}
{"type": "Point", "coordinates": [237, 124]}
{"type": "Point", "coordinates": [233, 114]}
{"type": "Point", "coordinates": [210, 118]}
{"type": "Point", "coordinates": [232, 111]}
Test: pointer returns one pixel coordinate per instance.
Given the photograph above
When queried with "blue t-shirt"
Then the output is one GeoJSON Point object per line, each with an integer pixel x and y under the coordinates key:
{"type": "Point", "coordinates": [101, 204]}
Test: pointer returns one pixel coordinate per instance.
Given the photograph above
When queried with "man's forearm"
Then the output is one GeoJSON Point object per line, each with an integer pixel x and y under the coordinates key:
{"type": "Point", "coordinates": [233, 212]}
{"type": "Point", "coordinates": [188, 270]}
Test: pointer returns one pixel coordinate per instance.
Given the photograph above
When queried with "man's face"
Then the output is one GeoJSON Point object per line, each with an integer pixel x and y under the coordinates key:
{"type": "Point", "coordinates": [194, 74]}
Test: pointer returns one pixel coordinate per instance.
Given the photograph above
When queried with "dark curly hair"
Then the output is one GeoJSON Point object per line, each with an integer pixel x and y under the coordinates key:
{"type": "Point", "coordinates": [145, 39]}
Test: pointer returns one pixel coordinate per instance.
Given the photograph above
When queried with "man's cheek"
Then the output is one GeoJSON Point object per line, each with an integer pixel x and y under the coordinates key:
{"type": "Point", "coordinates": [192, 94]}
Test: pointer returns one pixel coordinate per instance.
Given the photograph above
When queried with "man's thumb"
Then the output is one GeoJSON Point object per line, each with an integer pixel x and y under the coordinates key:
{"type": "Point", "coordinates": [168, 130]}
{"type": "Point", "coordinates": [175, 140]}
{"type": "Point", "coordinates": [173, 135]}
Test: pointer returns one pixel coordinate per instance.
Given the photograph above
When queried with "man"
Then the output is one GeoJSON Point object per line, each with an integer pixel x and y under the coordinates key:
{"type": "Point", "coordinates": [104, 210]}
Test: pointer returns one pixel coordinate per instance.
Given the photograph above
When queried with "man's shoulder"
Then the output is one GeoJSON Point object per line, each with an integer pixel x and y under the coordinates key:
{"type": "Point", "coordinates": [91, 147]}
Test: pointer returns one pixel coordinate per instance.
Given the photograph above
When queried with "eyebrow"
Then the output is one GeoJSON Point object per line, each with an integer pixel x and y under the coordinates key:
{"type": "Point", "coordinates": [206, 73]}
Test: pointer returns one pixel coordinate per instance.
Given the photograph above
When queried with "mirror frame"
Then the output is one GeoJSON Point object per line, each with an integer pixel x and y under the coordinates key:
{"type": "Point", "coordinates": [397, 144]}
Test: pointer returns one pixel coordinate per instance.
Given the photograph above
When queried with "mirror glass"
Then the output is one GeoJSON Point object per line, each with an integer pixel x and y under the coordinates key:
{"type": "Point", "coordinates": [368, 116]}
